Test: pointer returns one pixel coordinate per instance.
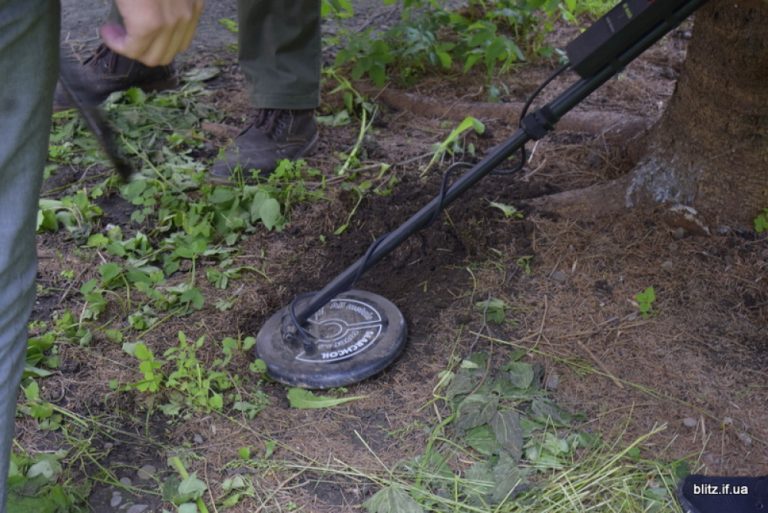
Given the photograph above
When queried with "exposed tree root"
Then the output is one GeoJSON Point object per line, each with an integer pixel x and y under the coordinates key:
{"type": "Point", "coordinates": [591, 202]}
{"type": "Point", "coordinates": [612, 125]}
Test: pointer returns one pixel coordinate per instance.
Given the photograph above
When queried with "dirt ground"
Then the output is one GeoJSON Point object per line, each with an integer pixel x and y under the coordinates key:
{"type": "Point", "coordinates": [697, 365]}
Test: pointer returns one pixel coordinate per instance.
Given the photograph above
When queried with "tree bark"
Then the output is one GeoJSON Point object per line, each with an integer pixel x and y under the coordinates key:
{"type": "Point", "coordinates": [709, 150]}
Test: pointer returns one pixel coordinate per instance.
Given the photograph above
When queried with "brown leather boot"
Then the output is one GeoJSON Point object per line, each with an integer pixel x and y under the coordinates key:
{"type": "Point", "coordinates": [105, 72]}
{"type": "Point", "coordinates": [274, 135]}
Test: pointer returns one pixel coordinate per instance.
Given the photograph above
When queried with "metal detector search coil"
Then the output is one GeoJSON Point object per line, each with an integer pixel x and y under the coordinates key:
{"type": "Point", "coordinates": [354, 336]}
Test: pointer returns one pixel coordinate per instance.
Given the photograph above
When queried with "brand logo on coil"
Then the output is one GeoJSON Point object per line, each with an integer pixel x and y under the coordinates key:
{"type": "Point", "coordinates": [344, 328]}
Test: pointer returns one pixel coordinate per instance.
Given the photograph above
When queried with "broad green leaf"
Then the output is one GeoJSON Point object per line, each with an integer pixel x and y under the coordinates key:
{"type": "Point", "coordinates": [258, 366]}
{"type": "Point", "coordinates": [305, 400]}
{"type": "Point", "coordinates": [216, 401]}
{"type": "Point", "coordinates": [188, 507]}
{"type": "Point", "coordinates": [761, 222]}
{"type": "Point", "coordinates": [479, 481]}
{"type": "Point", "coordinates": [109, 272]}
{"type": "Point", "coordinates": [48, 468]}
{"type": "Point", "coordinates": [221, 195]}
{"type": "Point", "coordinates": [192, 487]}
{"type": "Point", "coordinates": [520, 374]}
{"type": "Point", "coordinates": [482, 439]}
{"type": "Point", "coordinates": [13, 470]}
{"type": "Point", "coordinates": [470, 122]}
{"type": "Point", "coordinates": [46, 220]}
{"type": "Point", "coordinates": [475, 361]}
{"type": "Point", "coordinates": [476, 410]}
{"type": "Point", "coordinates": [508, 479]}
{"type": "Point", "coordinates": [269, 211]}
{"type": "Point", "coordinates": [135, 96]}
{"type": "Point", "coordinates": [493, 309]}
{"type": "Point", "coordinates": [506, 428]}
{"type": "Point", "coordinates": [235, 482]}
{"type": "Point", "coordinates": [194, 297]}
{"type": "Point", "coordinates": [37, 372]}
{"type": "Point", "coordinates": [507, 210]}
{"type": "Point", "coordinates": [554, 444]}
{"type": "Point", "coordinates": [255, 206]}
{"type": "Point", "coordinates": [139, 350]}
{"type": "Point", "coordinates": [392, 500]}
{"type": "Point", "coordinates": [32, 391]}
{"type": "Point", "coordinates": [248, 343]}
{"type": "Point", "coordinates": [170, 409]}
{"type": "Point", "coordinates": [445, 58]}
{"type": "Point", "coordinates": [432, 467]}
{"type": "Point", "coordinates": [42, 410]}
{"type": "Point", "coordinates": [547, 412]}
{"type": "Point", "coordinates": [461, 383]}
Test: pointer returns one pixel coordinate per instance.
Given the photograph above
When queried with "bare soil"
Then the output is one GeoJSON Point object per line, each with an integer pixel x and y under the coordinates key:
{"type": "Point", "coordinates": [701, 355]}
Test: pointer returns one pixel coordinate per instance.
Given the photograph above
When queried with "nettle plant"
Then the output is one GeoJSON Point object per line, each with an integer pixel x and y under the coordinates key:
{"type": "Point", "coordinates": [492, 36]}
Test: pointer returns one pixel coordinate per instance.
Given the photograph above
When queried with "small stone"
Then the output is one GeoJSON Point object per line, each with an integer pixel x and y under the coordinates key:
{"type": "Point", "coordinates": [126, 481]}
{"type": "Point", "coordinates": [678, 233]}
{"type": "Point", "coordinates": [667, 265]}
{"type": "Point", "coordinates": [668, 73]}
{"type": "Point", "coordinates": [146, 472]}
{"type": "Point", "coordinates": [727, 421]}
{"type": "Point", "coordinates": [710, 459]}
{"type": "Point", "coordinates": [108, 445]}
{"type": "Point", "coordinates": [690, 422]}
{"type": "Point", "coordinates": [552, 382]}
{"type": "Point", "coordinates": [745, 438]}
{"type": "Point", "coordinates": [138, 508]}
{"type": "Point", "coordinates": [673, 246]}
{"type": "Point", "coordinates": [559, 276]}
{"type": "Point", "coordinates": [198, 439]}
{"type": "Point", "coordinates": [116, 499]}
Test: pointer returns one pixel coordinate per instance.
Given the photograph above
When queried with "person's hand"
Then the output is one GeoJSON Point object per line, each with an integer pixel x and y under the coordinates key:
{"type": "Point", "coordinates": [153, 31]}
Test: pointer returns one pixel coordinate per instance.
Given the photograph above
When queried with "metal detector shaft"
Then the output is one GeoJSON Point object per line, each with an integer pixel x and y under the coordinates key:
{"type": "Point", "coordinates": [534, 126]}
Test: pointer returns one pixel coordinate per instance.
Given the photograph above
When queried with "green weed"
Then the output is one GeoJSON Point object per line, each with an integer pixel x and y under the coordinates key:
{"type": "Point", "coordinates": [36, 483]}
{"type": "Point", "coordinates": [187, 384]}
{"type": "Point", "coordinates": [494, 310]}
{"type": "Point", "coordinates": [509, 211]}
{"type": "Point", "coordinates": [450, 145]}
{"type": "Point", "coordinates": [761, 222]}
{"type": "Point", "coordinates": [644, 301]}
{"type": "Point", "coordinates": [494, 35]}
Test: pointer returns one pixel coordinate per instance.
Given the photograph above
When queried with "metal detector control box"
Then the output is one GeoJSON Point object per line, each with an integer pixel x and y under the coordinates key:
{"type": "Point", "coordinates": [614, 33]}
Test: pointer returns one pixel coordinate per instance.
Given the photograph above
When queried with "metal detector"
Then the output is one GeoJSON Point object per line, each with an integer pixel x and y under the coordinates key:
{"type": "Point", "coordinates": [338, 336]}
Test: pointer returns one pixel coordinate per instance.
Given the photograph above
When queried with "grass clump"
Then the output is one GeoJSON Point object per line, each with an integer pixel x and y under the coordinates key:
{"type": "Point", "coordinates": [507, 447]}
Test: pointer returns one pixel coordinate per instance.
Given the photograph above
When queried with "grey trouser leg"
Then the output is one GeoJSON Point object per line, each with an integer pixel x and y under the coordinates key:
{"type": "Point", "coordinates": [280, 52]}
{"type": "Point", "coordinates": [29, 43]}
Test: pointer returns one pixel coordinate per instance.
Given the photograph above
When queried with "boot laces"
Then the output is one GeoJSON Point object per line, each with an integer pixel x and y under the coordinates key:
{"type": "Point", "coordinates": [272, 122]}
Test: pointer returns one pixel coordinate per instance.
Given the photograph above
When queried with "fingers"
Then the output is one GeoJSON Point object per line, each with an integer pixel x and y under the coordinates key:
{"type": "Point", "coordinates": [154, 30]}
{"type": "Point", "coordinates": [190, 33]}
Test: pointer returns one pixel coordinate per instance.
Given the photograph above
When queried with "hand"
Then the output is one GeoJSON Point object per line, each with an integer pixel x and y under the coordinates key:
{"type": "Point", "coordinates": [153, 31]}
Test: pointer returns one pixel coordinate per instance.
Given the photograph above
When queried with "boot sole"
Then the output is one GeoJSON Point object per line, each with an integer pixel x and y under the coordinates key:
{"type": "Point", "coordinates": [303, 152]}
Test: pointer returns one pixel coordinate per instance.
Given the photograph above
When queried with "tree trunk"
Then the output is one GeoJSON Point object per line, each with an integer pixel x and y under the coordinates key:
{"type": "Point", "coordinates": [710, 148]}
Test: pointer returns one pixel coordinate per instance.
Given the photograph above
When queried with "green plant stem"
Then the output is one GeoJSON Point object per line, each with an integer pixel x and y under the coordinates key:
{"type": "Point", "coordinates": [365, 125]}
{"type": "Point", "coordinates": [178, 465]}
